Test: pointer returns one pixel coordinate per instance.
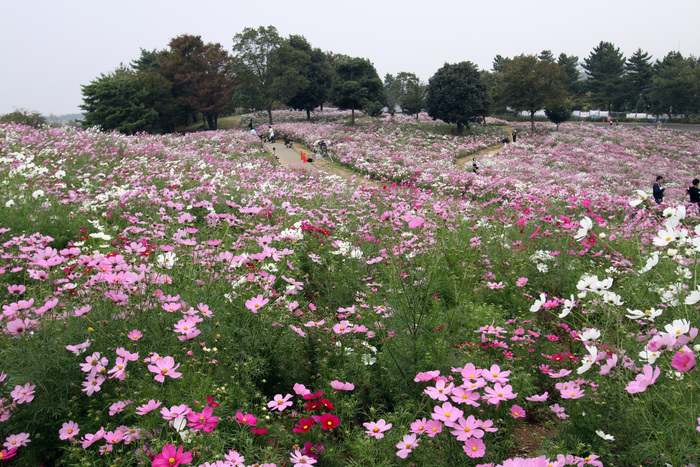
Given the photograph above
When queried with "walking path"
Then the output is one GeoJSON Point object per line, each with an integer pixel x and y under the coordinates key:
{"type": "Point", "coordinates": [291, 157]}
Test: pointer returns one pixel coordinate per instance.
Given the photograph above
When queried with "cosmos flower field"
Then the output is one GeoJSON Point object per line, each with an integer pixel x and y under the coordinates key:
{"type": "Point", "coordinates": [184, 300]}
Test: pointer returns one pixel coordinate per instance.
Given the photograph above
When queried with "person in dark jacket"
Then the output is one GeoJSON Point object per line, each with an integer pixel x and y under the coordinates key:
{"type": "Point", "coordinates": [694, 192]}
{"type": "Point", "coordinates": [658, 191]}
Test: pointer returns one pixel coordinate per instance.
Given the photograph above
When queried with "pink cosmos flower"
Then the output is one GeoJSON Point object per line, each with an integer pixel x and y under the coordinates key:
{"type": "Point", "coordinates": [297, 330]}
{"type": "Point", "coordinates": [280, 403]}
{"type": "Point", "coordinates": [68, 430]}
{"type": "Point", "coordinates": [465, 396]}
{"type": "Point", "coordinates": [301, 460]}
{"type": "Point", "coordinates": [447, 413]}
{"type": "Point", "coordinates": [406, 445]}
{"type": "Point", "coordinates": [498, 394]}
{"type": "Point", "coordinates": [88, 439]}
{"type": "Point", "coordinates": [300, 389]}
{"type": "Point", "coordinates": [164, 367]}
{"type": "Point", "coordinates": [246, 419]}
{"type": "Point", "coordinates": [558, 410]}
{"type": "Point", "coordinates": [128, 356]}
{"type": "Point", "coordinates": [537, 398]}
{"type": "Point", "coordinates": [684, 359]}
{"type": "Point", "coordinates": [440, 391]}
{"type": "Point", "coordinates": [643, 380]}
{"type": "Point", "coordinates": [474, 447]}
{"type": "Point", "coordinates": [6, 454]}
{"type": "Point", "coordinates": [419, 426]}
{"type": "Point", "coordinates": [426, 376]}
{"type": "Point", "coordinates": [342, 386]}
{"type": "Point", "coordinates": [377, 429]}
{"type": "Point", "coordinates": [467, 428]}
{"type": "Point", "coordinates": [517, 412]}
{"type": "Point", "coordinates": [118, 407]}
{"type": "Point", "coordinates": [433, 428]}
{"type": "Point", "coordinates": [256, 302]}
{"type": "Point", "coordinates": [203, 421]}
{"type": "Point", "coordinates": [16, 441]}
{"type": "Point", "coordinates": [119, 370]}
{"type": "Point", "coordinates": [416, 222]}
{"type": "Point", "coordinates": [495, 375]}
{"type": "Point", "coordinates": [135, 335]}
{"type": "Point", "coordinates": [234, 458]}
{"type": "Point", "coordinates": [76, 349]}
{"type": "Point", "coordinates": [23, 394]}
{"type": "Point", "coordinates": [574, 392]}
{"type": "Point", "coordinates": [343, 327]}
{"type": "Point", "coordinates": [176, 411]}
{"type": "Point", "coordinates": [94, 364]}
{"type": "Point", "coordinates": [521, 281]}
{"type": "Point", "coordinates": [170, 457]}
{"type": "Point", "coordinates": [93, 384]}
{"type": "Point", "coordinates": [150, 406]}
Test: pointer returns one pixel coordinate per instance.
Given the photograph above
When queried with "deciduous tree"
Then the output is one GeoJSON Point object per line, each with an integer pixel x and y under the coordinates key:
{"type": "Point", "coordinates": [356, 86]}
{"type": "Point", "coordinates": [318, 76]}
{"type": "Point", "coordinates": [457, 94]}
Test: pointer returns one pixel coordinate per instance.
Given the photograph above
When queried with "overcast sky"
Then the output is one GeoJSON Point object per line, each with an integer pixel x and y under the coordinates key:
{"type": "Point", "coordinates": [48, 49]}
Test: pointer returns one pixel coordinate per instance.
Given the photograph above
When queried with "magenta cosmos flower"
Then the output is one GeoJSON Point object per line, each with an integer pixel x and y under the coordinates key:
{"type": "Point", "coordinates": [170, 457]}
{"type": "Point", "coordinates": [684, 359]}
{"type": "Point", "coordinates": [203, 421]}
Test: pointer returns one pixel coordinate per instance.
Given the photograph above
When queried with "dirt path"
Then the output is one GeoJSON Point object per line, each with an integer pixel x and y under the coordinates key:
{"type": "Point", "coordinates": [348, 175]}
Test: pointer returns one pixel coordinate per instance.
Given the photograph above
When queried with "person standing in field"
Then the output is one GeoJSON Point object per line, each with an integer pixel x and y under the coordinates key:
{"type": "Point", "coordinates": [657, 190]}
{"type": "Point", "coordinates": [694, 192]}
{"type": "Point", "coordinates": [515, 135]}
{"type": "Point", "coordinates": [272, 135]}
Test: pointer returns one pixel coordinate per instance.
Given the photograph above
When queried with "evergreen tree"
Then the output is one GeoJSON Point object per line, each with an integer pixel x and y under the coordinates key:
{"type": "Point", "coordinates": [605, 68]}
{"type": "Point", "coordinates": [638, 81]}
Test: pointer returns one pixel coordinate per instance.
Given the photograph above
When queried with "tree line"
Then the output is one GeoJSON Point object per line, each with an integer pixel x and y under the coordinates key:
{"type": "Point", "coordinates": [190, 80]}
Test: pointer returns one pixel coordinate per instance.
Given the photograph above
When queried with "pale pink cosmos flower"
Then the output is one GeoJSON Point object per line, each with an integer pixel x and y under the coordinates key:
{"type": "Point", "coordinates": [574, 392]}
{"type": "Point", "coordinates": [558, 410]}
{"type": "Point", "coordinates": [474, 447]}
{"type": "Point", "coordinates": [426, 376]}
{"type": "Point", "coordinates": [343, 327]}
{"type": "Point", "coordinates": [23, 394]}
{"type": "Point", "coordinates": [297, 330]}
{"type": "Point", "coordinates": [467, 428]}
{"type": "Point", "coordinates": [498, 394]}
{"type": "Point", "coordinates": [521, 281]}
{"type": "Point", "coordinates": [537, 398]}
{"type": "Point", "coordinates": [300, 389]}
{"type": "Point", "coordinates": [280, 403]}
{"type": "Point", "coordinates": [314, 324]}
{"type": "Point", "coordinates": [446, 413]}
{"type": "Point", "coordinates": [517, 412]}
{"type": "Point", "coordinates": [16, 441]}
{"type": "Point", "coordinates": [460, 395]}
{"type": "Point", "coordinates": [93, 384]}
{"type": "Point", "coordinates": [495, 375]}
{"type": "Point", "coordinates": [234, 458]}
{"type": "Point", "coordinates": [128, 356]}
{"type": "Point", "coordinates": [76, 349]}
{"type": "Point", "coordinates": [377, 429]}
{"type": "Point", "coordinates": [149, 406]}
{"type": "Point", "coordinates": [301, 460]}
{"type": "Point", "coordinates": [256, 302]}
{"type": "Point", "coordinates": [118, 407]}
{"type": "Point", "coordinates": [342, 386]}
{"type": "Point", "coordinates": [68, 430]}
{"type": "Point", "coordinates": [135, 335]}
{"type": "Point", "coordinates": [643, 380]}
{"type": "Point", "coordinates": [440, 391]}
{"type": "Point", "coordinates": [416, 222]}
{"type": "Point", "coordinates": [119, 370]}
{"type": "Point", "coordinates": [406, 445]}
{"type": "Point", "coordinates": [433, 428]}
{"type": "Point", "coordinates": [176, 411]}
{"type": "Point", "coordinates": [164, 367]}
{"type": "Point", "coordinates": [419, 426]}
{"type": "Point", "coordinates": [89, 439]}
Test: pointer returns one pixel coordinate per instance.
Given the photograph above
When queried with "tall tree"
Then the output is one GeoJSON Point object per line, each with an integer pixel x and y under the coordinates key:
{"type": "Point", "coordinates": [457, 94]}
{"type": "Point", "coordinates": [318, 74]}
{"type": "Point", "coordinates": [547, 56]}
{"type": "Point", "coordinates": [676, 86]}
{"type": "Point", "coordinates": [605, 67]}
{"type": "Point", "coordinates": [356, 86]}
{"type": "Point", "coordinates": [412, 95]}
{"type": "Point", "coordinates": [202, 75]}
{"type": "Point", "coordinates": [572, 82]}
{"type": "Point", "coordinates": [638, 81]}
{"type": "Point", "coordinates": [116, 101]}
{"type": "Point", "coordinates": [254, 49]}
{"type": "Point", "coordinates": [528, 83]}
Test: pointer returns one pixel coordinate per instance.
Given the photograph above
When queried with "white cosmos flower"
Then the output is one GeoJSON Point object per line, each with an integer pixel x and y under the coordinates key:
{"type": "Point", "coordinates": [568, 305]}
{"type": "Point", "coordinates": [538, 303]}
{"type": "Point", "coordinates": [60, 174]}
{"type": "Point", "coordinates": [38, 194]}
{"type": "Point", "coordinates": [649, 356]}
{"type": "Point", "coordinates": [10, 203]}
{"type": "Point", "coordinates": [651, 262]}
{"type": "Point", "coordinates": [604, 436]}
{"type": "Point", "coordinates": [588, 360]}
{"type": "Point", "coordinates": [590, 335]}
{"type": "Point", "coordinates": [641, 197]}
{"type": "Point", "coordinates": [693, 297]}
{"type": "Point", "coordinates": [665, 237]}
{"type": "Point", "coordinates": [678, 327]}
{"type": "Point", "coordinates": [585, 225]}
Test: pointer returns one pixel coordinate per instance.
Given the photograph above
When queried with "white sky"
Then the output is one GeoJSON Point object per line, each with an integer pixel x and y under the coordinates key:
{"type": "Point", "coordinates": [48, 49]}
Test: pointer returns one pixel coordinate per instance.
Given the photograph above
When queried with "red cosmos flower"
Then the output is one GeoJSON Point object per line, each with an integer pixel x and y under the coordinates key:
{"type": "Point", "coordinates": [313, 405]}
{"type": "Point", "coordinates": [258, 431]}
{"type": "Point", "coordinates": [328, 421]}
{"type": "Point", "coordinates": [313, 396]}
{"type": "Point", "coordinates": [327, 405]}
{"type": "Point", "coordinates": [304, 425]}
{"type": "Point", "coordinates": [211, 403]}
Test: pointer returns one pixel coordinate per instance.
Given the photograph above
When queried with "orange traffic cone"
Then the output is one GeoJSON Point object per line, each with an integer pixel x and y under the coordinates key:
{"type": "Point", "coordinates": [303, 157]}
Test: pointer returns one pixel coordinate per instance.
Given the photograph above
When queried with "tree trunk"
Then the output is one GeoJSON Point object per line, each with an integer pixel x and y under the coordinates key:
{"type": "Point", "coordinates": [269, 114]}
{"type": "Point", "coordinates": [352, 119]}
{"type": "Point", "coordinates": [460, 127]}
{"type": "Point", "coordinates": [532, 122]}
{"type": "Point", "coordinates": [308, 115]}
